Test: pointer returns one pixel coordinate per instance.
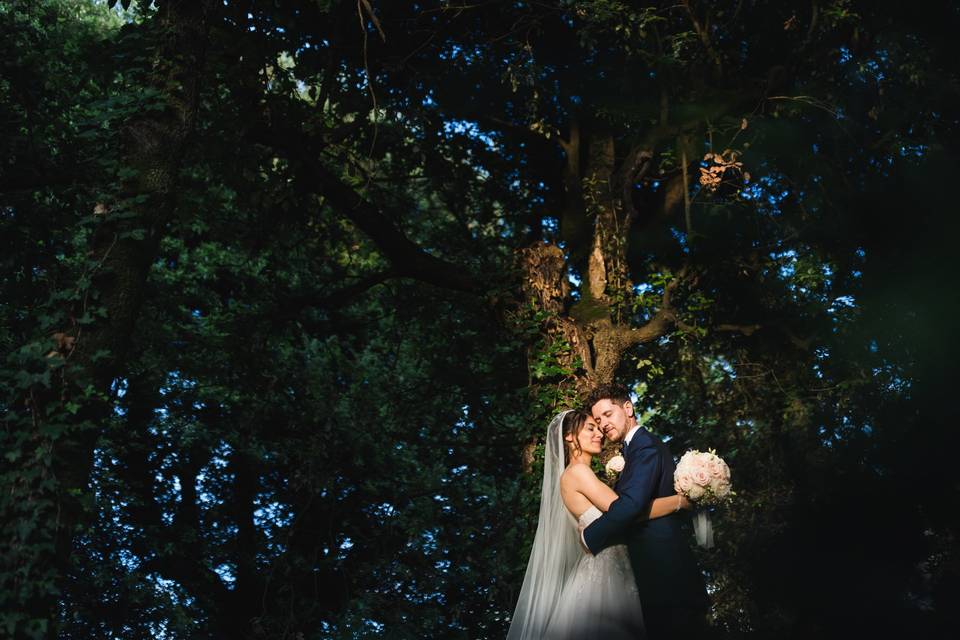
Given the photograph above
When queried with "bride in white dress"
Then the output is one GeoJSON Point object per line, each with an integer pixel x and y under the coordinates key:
{"type": "Point", "coordinates": [568, 593]}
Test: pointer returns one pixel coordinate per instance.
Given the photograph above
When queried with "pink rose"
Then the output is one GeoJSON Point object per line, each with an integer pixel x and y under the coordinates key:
{"type": "Point", "coordinates": [682, 483]}
{"type": "Point", "coordinates": [701, 476]}
{"type": "Point", "coordinates": [716, 468]}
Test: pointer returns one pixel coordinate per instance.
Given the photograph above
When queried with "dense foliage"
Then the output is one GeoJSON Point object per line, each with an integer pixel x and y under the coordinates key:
{"type": "Point", "coordinates": [273, 365]}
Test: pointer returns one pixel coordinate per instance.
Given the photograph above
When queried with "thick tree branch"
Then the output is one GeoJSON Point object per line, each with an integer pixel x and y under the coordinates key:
{"type": "Point", "coordinates": [290, 305]}
{"type": "Point", "coordinates": [406, 257]}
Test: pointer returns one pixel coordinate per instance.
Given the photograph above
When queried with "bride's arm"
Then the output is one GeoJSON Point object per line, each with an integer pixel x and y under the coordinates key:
{"type": "Point", "coordinates": [665, 506]}
{"type": "Point", "coordinates": [600, 495]}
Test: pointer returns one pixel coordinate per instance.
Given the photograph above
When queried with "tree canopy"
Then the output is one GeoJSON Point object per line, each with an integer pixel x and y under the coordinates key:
{"type": "Point", "coordinates": [290, 291]}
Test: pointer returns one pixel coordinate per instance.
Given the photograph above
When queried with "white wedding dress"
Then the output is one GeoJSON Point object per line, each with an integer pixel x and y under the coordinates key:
{"type": "Point", "coordinates": [600, 599]}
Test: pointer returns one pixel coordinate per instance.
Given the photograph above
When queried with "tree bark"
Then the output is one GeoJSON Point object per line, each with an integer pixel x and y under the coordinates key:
{"type": "Point", "coordinates": [594, 328]}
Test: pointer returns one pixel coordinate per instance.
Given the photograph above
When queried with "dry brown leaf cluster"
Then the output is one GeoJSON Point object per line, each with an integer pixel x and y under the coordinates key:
{"type": "Point", "coordinates": [712, 175]}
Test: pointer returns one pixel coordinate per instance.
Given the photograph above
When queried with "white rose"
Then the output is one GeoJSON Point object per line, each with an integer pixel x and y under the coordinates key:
{"type": "Point", "coordinates": [695, 492]}
{"type": "Point", "coordinates": [615, 464]}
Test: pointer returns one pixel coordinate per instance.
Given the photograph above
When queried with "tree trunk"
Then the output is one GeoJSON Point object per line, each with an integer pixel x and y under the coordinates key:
{"type": "Point", "coordinates": [583, 341]}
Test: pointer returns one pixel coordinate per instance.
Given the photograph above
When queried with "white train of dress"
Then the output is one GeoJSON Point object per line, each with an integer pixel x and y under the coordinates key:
{"type": "Point", "coordinates": [600, 599]}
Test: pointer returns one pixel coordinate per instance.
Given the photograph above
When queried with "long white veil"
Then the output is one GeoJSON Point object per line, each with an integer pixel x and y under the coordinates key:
{"type": "Point", "coordinates": [555, 551]}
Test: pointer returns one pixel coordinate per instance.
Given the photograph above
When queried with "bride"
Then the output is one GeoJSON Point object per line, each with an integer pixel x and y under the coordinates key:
{"type": "Point", "coordinates": [567, 592]}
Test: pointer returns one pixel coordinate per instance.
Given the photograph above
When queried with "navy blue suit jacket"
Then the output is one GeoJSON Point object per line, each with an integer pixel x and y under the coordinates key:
{"type": "Point", "coordinates": [663, 563]}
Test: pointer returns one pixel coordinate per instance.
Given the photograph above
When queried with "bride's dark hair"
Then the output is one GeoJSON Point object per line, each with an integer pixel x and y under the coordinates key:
{"type": "Point", "coordinates": [572, 425]}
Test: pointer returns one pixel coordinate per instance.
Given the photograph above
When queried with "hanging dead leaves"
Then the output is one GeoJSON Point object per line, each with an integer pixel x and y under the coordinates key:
{"type": "Point", "coordinates": [65, 344]}
{"type": "Point", "coordinates": [717, 165]}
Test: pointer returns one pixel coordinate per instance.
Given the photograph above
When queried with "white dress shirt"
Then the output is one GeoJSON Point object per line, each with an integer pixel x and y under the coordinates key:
{"type": "Point", "coordinates": [627, 438]}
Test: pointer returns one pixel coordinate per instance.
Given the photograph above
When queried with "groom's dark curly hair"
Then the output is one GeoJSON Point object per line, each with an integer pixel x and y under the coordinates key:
{"type": "Point", "coordinates": [616, 393]}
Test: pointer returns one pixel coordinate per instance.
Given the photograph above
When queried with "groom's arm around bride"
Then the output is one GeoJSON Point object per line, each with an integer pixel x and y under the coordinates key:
{"type": "Point", "coordinates": [635, 488]}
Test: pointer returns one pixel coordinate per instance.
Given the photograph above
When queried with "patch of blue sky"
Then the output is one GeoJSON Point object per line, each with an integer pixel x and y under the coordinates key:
{"type": "Point", "coordinates": [220, 455]}
{"type": "Point", "coordinates": [574, 278]}
{"type": "Point", "coordinates": [724, 365]}
{"type": "Point", "coordinates": [891, 380]}
{"type": "Point", "coordinates": [452, 51]}
{"type": "Point", "coordinates": [913, 150]}
{"type": "Point", "coordinates": [787, 261]}
{"type": "Point", "coordinates": [752, 192]}
{"type": "Point", "coordinates": [175, 380]}
{"type": "Point", "coordinates": [119, 387]}
{"type": "Point", "coordinates": [169, 494]}
{"type": "Point", "coordinates": [426, 542]}
{"type": "Point", "coordinates": [471, 130]}
{"type": "Point", "coordinates": [827, 436]}
{"type": "Point", "coordinates": [766, 191]}
{"type": "Point", "coordinates": [226, 572]}
{"type": "Point", "coordinates": [383, 511]}
{"type": "Point", "coordinates": [271, 513]}
{"type": "Point", "coordinates": [842, 302]}
{"type": "Point", "coordinates": [171, 589]}
{"type": "Point", "coordinates": [872, 67]}
{"type": "Point", "coordinates": [373, 625]}
{"type": "Point", "coordinates": [681, 238]}
{"type": "Point", "coordinates": [158, 629]}
{"type": "Point", "coordinates": [212, 475]}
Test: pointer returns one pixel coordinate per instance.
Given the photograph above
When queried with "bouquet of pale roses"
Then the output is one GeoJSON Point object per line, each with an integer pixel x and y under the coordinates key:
{"type": "Point", "coordinates": [704, 478]}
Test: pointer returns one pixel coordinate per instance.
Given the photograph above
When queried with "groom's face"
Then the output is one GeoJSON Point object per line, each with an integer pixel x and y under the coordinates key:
{"type": "Point", "coordinates": [614, 419]}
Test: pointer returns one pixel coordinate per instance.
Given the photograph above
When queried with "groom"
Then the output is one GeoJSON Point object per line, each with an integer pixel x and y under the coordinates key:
{"type": "Point", "coordinates": [671, 585]}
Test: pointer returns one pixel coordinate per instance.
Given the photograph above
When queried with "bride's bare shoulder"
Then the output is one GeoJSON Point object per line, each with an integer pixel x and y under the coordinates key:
{"type": "Point", "coordinates": [576, 473]}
